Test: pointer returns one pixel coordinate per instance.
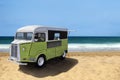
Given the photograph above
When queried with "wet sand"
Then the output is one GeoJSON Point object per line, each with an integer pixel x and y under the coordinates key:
{"type": "Point", "coordinates": [77, 66]}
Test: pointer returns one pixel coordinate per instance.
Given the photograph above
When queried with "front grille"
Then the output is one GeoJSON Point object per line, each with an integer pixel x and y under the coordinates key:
{"type": "Point", "coordinates": [14, 50]}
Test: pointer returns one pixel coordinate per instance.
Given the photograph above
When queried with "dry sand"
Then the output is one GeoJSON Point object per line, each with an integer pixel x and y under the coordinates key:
{"type": "Point", "coordinates": [77, 66]}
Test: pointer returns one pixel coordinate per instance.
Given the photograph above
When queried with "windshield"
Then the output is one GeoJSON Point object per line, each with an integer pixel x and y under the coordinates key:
{"type": "Point", "coordinates": [24, 35]}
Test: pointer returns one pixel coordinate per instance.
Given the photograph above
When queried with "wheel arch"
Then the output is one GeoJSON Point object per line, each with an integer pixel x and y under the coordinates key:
{"type": "Point", "coordinates": [66, 51]}
{"type": "Point", "coordinates": [43, 55]}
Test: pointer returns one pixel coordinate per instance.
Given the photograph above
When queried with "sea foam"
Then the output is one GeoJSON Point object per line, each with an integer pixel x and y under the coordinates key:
{"type": "Point", "coordinates": [93, 47]}
{"type": "Point", "coordinates": [4, 47]}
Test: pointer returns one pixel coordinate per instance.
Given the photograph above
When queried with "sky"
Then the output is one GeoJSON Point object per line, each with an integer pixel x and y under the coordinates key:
{"type": "Point", "coordinates": [83, 17]}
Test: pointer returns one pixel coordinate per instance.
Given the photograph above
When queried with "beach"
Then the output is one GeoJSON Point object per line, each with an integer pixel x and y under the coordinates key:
{"type": "Point", "coordinates": [104, 65]}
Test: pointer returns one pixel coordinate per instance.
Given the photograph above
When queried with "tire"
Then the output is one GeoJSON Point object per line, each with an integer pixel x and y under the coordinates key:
{"type": "Point", "coordinates": [63, 55]}
{"type": "Point", "coordinates": [40, 61]}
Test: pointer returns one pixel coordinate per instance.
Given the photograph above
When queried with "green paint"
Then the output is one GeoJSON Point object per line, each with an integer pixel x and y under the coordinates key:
{"type": "Point", "coordinates": [29, 52]}
{"type": "Point", "coordinates": [24, 51]}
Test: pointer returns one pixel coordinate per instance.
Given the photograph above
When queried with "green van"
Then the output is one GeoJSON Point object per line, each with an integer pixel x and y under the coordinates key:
{"type": "Point", "coordinates": [38, 44]}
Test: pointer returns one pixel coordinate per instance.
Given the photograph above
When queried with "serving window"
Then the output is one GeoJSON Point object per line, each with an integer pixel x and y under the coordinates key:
{"type": "Point", "coordinates": [56, 35]}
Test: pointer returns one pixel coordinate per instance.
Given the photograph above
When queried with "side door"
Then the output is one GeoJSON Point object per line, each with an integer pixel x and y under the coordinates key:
{"type": "Point", "coordinates": [38, 46]}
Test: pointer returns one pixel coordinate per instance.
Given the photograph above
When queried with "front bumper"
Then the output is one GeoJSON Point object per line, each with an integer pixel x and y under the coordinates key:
{"type": "Point", "coordinates": [17, 62]}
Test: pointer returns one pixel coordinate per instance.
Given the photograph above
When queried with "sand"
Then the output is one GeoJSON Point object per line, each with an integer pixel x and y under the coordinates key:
{"type": "Point", "coordinates": [77, 66]}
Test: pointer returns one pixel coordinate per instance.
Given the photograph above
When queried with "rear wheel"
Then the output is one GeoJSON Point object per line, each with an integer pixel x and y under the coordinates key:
{"type": "Point", "coordinates": [40, 61]}
{"type": "Point", "coordinates": [63, 55]}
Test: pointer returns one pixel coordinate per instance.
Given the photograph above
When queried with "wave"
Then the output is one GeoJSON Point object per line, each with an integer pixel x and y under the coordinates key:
{"type": "Point", "coordinates": [4, 47]}
{"type": "Point", "coordinates": [93, 47]}
{"type": "Point", "coordinates": [79, 47]}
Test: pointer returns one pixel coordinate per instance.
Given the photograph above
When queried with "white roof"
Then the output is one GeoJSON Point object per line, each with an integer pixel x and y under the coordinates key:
{"type": "Point", "coordinates": [33, 28]}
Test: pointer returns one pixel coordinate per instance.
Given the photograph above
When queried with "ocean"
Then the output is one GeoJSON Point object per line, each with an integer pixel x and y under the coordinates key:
{"type": "Point", "coordinates": [77, 44]}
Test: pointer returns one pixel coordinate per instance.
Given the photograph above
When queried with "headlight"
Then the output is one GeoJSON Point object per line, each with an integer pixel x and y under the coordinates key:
{"type": "Point", "coordinates": [23, 49]}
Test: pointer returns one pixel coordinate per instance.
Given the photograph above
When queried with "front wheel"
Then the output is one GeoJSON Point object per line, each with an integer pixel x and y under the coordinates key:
{"type": "Point", "coordinates": [40, 61]}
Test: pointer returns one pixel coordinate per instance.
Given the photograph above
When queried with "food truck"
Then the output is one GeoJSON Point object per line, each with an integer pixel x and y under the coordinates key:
{"type": "Point", "coordinates": [38, 44]}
